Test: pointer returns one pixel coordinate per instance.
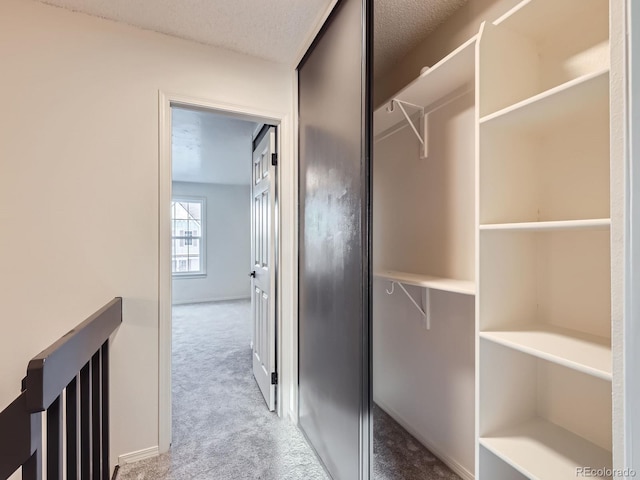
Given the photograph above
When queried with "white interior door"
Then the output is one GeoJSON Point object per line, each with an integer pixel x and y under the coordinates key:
{"type": "Point", "coordinates": [263, 274]}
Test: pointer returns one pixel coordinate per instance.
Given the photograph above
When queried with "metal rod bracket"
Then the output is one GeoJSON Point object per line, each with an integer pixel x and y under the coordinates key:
{"type": "Point", "coordinates": [421, 130]}
{"type": "Point", "coordinates": [426, 301]}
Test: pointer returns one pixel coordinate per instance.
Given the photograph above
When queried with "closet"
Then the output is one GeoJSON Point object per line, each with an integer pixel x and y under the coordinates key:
{"type": "Point", "coordinates": [493, 249]}
{"type": "Point", "coordinates": [424, 253]}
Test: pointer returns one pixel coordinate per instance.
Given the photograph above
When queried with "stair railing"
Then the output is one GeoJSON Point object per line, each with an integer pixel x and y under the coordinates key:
{"type": "Point", "coordinates": [67, 388]}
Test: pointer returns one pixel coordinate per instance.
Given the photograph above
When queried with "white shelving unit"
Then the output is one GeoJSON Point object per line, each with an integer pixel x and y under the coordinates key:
{"type": "Point", "coordinates": [543, 307]}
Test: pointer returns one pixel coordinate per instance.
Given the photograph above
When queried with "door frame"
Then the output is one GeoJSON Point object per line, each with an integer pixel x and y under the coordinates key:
{"type": "Point", "coordinates": [284, 318]}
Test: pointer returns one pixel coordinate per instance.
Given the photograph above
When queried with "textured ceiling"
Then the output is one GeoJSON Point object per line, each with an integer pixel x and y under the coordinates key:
{"type": "Point", "coordinates": [210, 148]}
{"type": "Point", "coordinates": [400, 25]}
{"type": "Point", "coordinates": [270, 29]}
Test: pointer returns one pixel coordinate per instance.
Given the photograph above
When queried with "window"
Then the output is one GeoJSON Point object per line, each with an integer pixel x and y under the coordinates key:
{"type": "Point", "coordinates": [187, 233]}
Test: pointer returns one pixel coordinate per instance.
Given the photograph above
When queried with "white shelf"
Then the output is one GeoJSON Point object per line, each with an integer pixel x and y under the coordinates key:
{"type": "Point", "coordinates": [576, 350]}
{"type": "Point", "coordinates": [464, 287]}
{"type": "Point", "coordinates": [445, 77]}
{"type": "Point", "coordinates": [589, 224]}
{"type": "Point", "coordinates": [543, 451]}
{"type": "Point", "coordinates": [561, 101]}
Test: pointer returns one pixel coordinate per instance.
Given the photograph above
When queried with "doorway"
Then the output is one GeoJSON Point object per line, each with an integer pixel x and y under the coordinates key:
{"type": "Point", "coordinates": [192, 267]}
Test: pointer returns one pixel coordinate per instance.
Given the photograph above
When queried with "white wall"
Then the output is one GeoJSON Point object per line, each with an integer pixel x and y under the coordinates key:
{"type": "Point", "coordinates": [425, 378]}
{"type": "Point", "coordinates": [228, 242]}
{"type": "Point", "coordinates": [79, 185]}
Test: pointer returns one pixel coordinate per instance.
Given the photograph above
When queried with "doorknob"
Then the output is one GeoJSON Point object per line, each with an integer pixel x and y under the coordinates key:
{"type": "Point", "coordinates": [253, 274]}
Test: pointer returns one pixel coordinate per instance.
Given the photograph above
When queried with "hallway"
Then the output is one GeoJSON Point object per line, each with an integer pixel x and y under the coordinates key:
{"type": "Point", "coordinates": [221, 426]}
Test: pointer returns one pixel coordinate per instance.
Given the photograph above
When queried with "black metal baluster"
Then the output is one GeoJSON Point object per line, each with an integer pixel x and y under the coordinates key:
{"type": "Point", "coordinates": [96, 416]}
{"type": "Point", "coordinates": [85, 424]}
{"type": "Point", "coordinates": [72, 429]}
{"type": "Point", "coordinates": [106, 471]}
{"type": "Point", "coordinates": [54, 440]}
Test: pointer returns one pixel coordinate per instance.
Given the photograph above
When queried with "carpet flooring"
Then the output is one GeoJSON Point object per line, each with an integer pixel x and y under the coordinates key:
{"type": "Point", "coordinates": [397, 455]}
{"type": "Point", "coordinates": [222, 429]}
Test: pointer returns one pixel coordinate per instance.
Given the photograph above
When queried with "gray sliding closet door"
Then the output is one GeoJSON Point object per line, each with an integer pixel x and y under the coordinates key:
{"type": "Point", "coordinates": [334, 269]}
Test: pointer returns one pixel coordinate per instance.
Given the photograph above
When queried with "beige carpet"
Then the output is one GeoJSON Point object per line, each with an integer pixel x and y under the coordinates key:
{"type": "Point", "coordinates": [221, 426]}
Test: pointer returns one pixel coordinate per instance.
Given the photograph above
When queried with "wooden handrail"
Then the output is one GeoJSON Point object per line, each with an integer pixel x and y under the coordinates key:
{"type": "Point", "coordinates": [70, 381]}
{"type": "Point", "coordinates": [50, 371]}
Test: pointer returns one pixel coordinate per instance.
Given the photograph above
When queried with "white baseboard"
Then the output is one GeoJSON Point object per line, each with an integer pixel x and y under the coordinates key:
{"type": "Point", "coordinates": [293, 417]}
{"type": "Point", "coordinates": [453, 464]}
{"type": "Point", "coordinates": [208, 300]}
{"type": "Point", "coordinates": [139, 455]}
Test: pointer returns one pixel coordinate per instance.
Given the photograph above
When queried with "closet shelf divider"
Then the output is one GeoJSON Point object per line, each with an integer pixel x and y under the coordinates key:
{"type": "Point", "coordinates": [587, 224]}
{"type": "Point", "coordinates": [544, 451]}
{"type": "Point", "coordinates": [562, 100]}
{"type": "Point", "coordinates": [579, 351]}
